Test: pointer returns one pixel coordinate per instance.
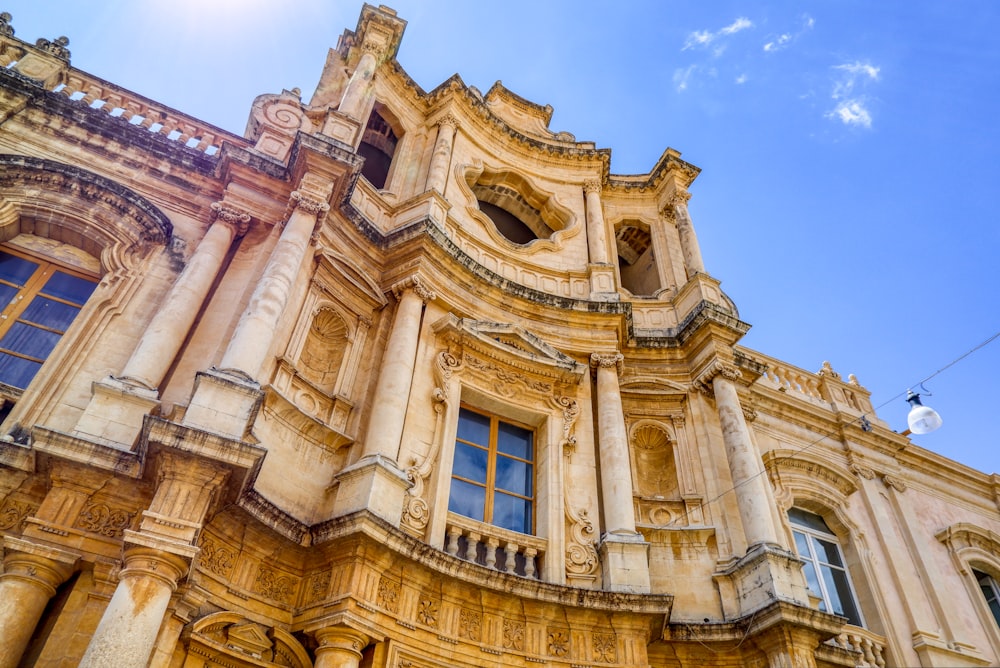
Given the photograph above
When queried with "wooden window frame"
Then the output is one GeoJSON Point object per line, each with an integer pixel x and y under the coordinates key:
{"type": "Point", "coordinates": [32, 288]}
{"type": "Point", "coordinates": [491, 467]}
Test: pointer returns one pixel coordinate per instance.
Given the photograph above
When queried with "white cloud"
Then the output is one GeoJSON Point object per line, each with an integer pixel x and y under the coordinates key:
{"type": "Point", "coordinates": [742, 23]}
{"type": "Point", "coordinates": [682, 77]}
{"type": "Point", "coordinates": [742, 79]}
{"type": "Point", "coordinates": [848, 85]}
{"type": "Point", "coordinates": [858, 67]}
{"type": "Point", "coordinates": [852, 112]}
{"type": "Point", "coordinates": [786, 38]}
{"type": "Point", "coordinates": [780, 42]}
{"type": "Point", "coordinates": [701, 38]}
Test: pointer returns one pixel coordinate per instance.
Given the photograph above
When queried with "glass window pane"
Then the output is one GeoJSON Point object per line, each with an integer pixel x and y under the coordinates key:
{"type": "Point", "coordinates": [28, 340]}
{"type": "Point", "coordinates": [514, 476]}
{"type": "Point", "coordinates": [473, 427]}
{"type": "Point", "coordinates": [828, 552]}
{"type": "Point", "coordinates": [467, 499]}
{"type": "Point", "coordinates": [17, 371]}
{"type": "Point", "coordinates": [515, 441]}
{"type": "Point", "coordinates": [70, 288]}
{"type": "Point", "coordinates": [841, 600]}
{"type": "Point", "coordinates": [7, 294]}
{"type": "Point", "coordinates": [801, 544]}
{"type": "Point", "coordinates": [808, 520]}
{"type": "Point", "coordinates": [15, 269]}
{"type": "Point", "coordinates": [511, 512]}
{"type": "Point", "coordinates": [49, 313]}
{"type": "Point", "coordinates": [470, 462]}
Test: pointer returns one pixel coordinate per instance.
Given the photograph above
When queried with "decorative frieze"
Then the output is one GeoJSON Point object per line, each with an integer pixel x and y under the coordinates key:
{"type": "Point", "coordinates": [13, 514]}
{"type": "Point", "coordinates": [270, 584]}
{"type": "Point", "coordinates": [105, 520]}
{"type": "Point", "coordinates": [217, 558]}
{"type": "Point", "coordinates": [427, 611]}
{"type": "Point", "coordinates": [470, 624]}
{"type": "Point", "coordinates": [557, 642]}
{"type": "Point", "coordinates": [605, 647]}
{"type": "Point", "coordinates": [513, 635]}
{"type": "Point", "coordinates": [388, 594]}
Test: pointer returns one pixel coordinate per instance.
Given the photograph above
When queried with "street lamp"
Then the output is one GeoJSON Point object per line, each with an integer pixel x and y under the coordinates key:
{"type": "Point", "coordinates": [921, 419]}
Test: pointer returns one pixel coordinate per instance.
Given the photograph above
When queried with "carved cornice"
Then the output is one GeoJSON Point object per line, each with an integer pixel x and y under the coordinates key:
{"type": "Point", "coordinates": [607, 360]}
{"type": "Point", "coordinates": [238, 220]}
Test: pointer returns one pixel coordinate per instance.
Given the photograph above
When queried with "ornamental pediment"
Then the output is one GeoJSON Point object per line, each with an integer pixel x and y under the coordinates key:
{"type": "Point", "coordinates": [511, 345]}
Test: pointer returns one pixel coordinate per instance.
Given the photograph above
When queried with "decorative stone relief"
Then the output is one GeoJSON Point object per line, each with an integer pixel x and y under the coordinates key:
{"type": "Point", "coordinates": [272, 585]}
{"type": "Point", "coordinates": [513, 635]}
{"type": "Point", "coordinates": [581, 553]}
{"type": "Point", "coordinates": [895, 482]}
{"type": "Point", "coordinates": [558, 642]}
{"type": "Point", "coordinates": [605, 649]}
{"type": "Point", "coordinates": [470, 624]}
{"type": "Point", "coordinates": [105, 520]}
{"type": "Point", "coordinates": [14, 513]}
{"type": "Point", "coordinates": [570, 412]}
{"type": "Point", "coordinates": [388, 594]}
{"type": "Point", "coordinates": [862, 471]}
{"type": "Point", "coordinates": [505, 379]}
{"type": "Point", "coordinates": [319, 585]}
{"type": "Point", "coordinates": [427, 611]}
{"type": "Point", "coordinates": [416, 511]}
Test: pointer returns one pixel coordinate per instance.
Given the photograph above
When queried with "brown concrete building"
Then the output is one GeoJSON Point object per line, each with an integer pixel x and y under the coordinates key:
{"type": "Point", "coordinates": [404, 378]}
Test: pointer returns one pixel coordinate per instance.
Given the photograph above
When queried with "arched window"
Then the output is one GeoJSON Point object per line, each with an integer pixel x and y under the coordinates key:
{"type": "Point", "coordinates": [825, 568]}
{"type": "Point", "coordinates": [41, 298]}
{"type": "Point", "coordinates": [636, 261]}
{"type": "Point", "coordinates": [991, 592]}
{"type": "Point", "coordinates": [378, 145]}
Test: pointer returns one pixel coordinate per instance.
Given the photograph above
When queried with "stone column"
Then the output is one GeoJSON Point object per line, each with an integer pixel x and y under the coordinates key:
{"type": "Point", "coordinates": [624, 553]}
{"type": "Point", "coordinates": [127, 632]}
{"type": "Point", "coordinates": [30, 577]}
{"type": "Point", "coordinates": [339, 647]}
{"type": "Point", "coordinates": [745, 465]}
{"type": "Point", "coordinates": [163, 338]}
{"type": "Point", "coordinates": [597, 238]}
{"type": "Point", "coordinates": [437, 174]}
{"type": "Point", "coordinates": [689, 242]}
{"type": "Point", "coordinates": [612, 443]}
{"type": "Point", "coordinates": [375, 482]}
{"type": "Point", "coordinates": [356, 95]}
{"type": "Point", "coordinates": [392, 394]}
{"type": "Point", "coordinates": [248, 348]}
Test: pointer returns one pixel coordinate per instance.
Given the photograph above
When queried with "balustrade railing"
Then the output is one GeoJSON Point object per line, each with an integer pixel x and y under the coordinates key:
{"type": "Point", "coordinates": [137, 110]}
{"type": "Point", "coordinates": [868, 647]}
{"type": "Point", "coordinates": [494, 548]}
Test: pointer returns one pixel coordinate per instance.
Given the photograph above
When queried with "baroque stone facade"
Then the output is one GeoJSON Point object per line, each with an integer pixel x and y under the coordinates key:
{"type": "Point", "coordinates": [405, 378]}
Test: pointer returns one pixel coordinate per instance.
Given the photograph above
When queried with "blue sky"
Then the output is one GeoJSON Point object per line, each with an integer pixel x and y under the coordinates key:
{"type": "Point", "coordinates": [849, 149]}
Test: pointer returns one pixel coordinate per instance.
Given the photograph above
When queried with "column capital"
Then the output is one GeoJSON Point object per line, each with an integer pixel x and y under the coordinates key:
{"type": "Point", "coordinates": [606, 360]}
{"type": "Point", "coordinates": [42, 566]}
{"type": "Point", "coordinates": [728, 371]}
{"type": "Point", "coordinates": [679, 198]}
{"type": "Point", "coordinates": [310, 203]}
{"type": "Point", "coordinates": [448, 120]}
{"type": "Point", "coordinates": [592, 186]}
{"type": "Point", "coordinates": [414, 283]}
{"type": "Point", "coordinates": [340, 639]}
{"type": "Point", "coordinates": [148, 562]}
{"type": "Point", "coordinates": [237, 220]}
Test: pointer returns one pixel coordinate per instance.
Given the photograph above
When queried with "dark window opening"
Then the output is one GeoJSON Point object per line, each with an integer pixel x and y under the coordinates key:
{"type": "Point", "coordinates": [378, 145]}
{"type": "Point", "coordinates": [508, 224]}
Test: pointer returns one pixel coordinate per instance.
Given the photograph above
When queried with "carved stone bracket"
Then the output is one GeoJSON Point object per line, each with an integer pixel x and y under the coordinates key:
{"type": "Point", "coordinates": [570, 411]}
{"type": "Point", "coordinates": [862, 471]}
{"type": "Point", "coordinates": [238, 220]}
{"type": "Point", "coordinates": [894, 482]}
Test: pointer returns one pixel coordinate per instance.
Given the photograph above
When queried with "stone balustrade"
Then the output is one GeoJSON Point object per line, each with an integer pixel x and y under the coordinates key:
{"type": "Point", "coordinates": [493, 547]}
{"type": "Point", "coordinates": [118, 102]}
{"type": "Point", "coordinates": [868, 647]}
{"type": "Point", "coordinates": [787, 378]}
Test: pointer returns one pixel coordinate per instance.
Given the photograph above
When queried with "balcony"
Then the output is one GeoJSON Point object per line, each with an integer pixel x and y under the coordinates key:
{"type": "Point", "coordinates": [854, 648]}
{"type": "Point", "coordinates": [495, 548]}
